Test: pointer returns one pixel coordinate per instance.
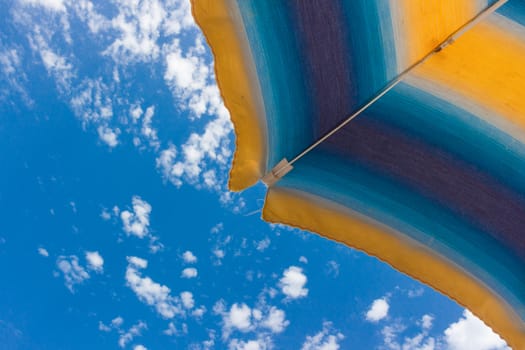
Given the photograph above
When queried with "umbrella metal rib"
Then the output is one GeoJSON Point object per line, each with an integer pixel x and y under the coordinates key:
{"type": "Point", "coordinates": [284, 166]}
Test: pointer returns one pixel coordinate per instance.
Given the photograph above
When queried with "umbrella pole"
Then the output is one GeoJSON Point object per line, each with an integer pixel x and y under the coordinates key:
{"type": "Point", "coordinates": [285, 166]}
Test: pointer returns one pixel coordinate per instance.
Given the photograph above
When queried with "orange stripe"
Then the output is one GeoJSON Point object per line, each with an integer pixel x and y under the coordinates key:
{"type": "Point", "coordinates": [238, 84]}
{"type": "Point", "coordinates": [419, 26]}
{"type": "Point", "coordinates": [485, 67]}
{"type": "Point", "coordinates": [338, 223]}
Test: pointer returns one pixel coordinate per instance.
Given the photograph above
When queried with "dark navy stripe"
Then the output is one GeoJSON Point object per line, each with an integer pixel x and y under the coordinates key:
{"type": "Point", "coordinates": [473, 195]}
{"type": "Point", "coordinates": [321, 27]}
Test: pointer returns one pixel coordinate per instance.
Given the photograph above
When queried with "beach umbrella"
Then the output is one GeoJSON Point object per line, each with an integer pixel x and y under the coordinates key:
{"type": "Point", "coordinates": [396, 127]}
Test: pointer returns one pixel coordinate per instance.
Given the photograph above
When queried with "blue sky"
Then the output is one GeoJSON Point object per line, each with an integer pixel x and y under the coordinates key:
{"type": "Point", "coordinates": [117, 230]}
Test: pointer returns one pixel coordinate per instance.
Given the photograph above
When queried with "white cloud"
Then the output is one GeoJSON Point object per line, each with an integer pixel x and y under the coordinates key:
{"type": "Point", "coordinates": [53, 5]}
{"type": "Point", "coordinates": [239, 317]}
{"type": "Point", "coordinates": [57, 66]}
{"type": "Point", "coordinates": [187, 300]}
{"type": "Point", "coordinates": [54, 62]}
{"type": "Point", "coordinates": [165, 162]}
{"type": "Point", "coordinates": [426, 321]}
{"type": "Point", "coordinates": [189, 257]}
{"type": "Point", "coordinates": [199, 312]}
{"type": "Point", "coordinates": [326, 339]}
{"type": "Point", "coordinates": [190, 77]}
{"type": "Point", "coordinates": [85, 10]}
{"type": "Point", "coordinates": [9, 61]}
{"type": "Point", "coordinates": [12, 74]}
{"type": "Point", "coordinates": [147, 130]}
{"type": "Point", "coordinates": [172, 330]}
{"type": "Point", "coordinates": [258, 344]}
{"type": "Point", "coordinates": [395, 336]}
{"type": "Point", "coordinates": [219, 253]}
{"type": "Point", "coordinates": [72, 271]}
{"type": "Point", "coordinates": [292, 283]}
{"type": "Point", "coordinates": [332, 268]}
{"type": "Point", "coordinates": [263, 320]}
{"type": "Point", "coordinates": [137, 35]}
{"type": "Point", "coordinates": [378, 310]}
{"type": "Point", "coordinates": [179, 18]}
{"type": "Point", "coordinates": [103, 328]}
{"type": "Point", "coordinates": [189, 272]}
{"type": "Point", "coordinates": [117, 321]}
{"type": "Point", "coordinates": [414, 293]}
{"type": "Point", "coordinates": [146, 133]}
{"type": "Point", "coordinates": [43, 252]}
{"type": "Point", "coordinates": [138, 25]}
{"type": "Point", "coordinates": [95, 261]}
{"type": "Point", "coordinates": [91, 102]}
{"type": "Point", "coordinates": [263, 244]}
{"type": "Point", "coordinates": [390, 335]}
{"type": "Point", "coordinates": [108, 135]}
{"type": "Point", "coordinates": [125, 336]}
{"type": "Point", "coordinates": [138, 262]}
{"type": "Point", "coordinates": [139, 347]}
{"type": "Point", "coordinates": [136, 113]}
{"type": "Point", "coordinates": [276, 320]}
{"type": "Point", "coordinates": [199, 149]}
{"type": "Point", "coordinates": [469, 332]}
{"type": "Point", "coordinates": [185, 72]}
{"type": "Point", "coordinates": [303, 259]}
{"type": "Point", "coordinates": [105, 215]}
{"type": "Point", "coordinates": [137, 222]}
{"type": "Point", "coordinates": [149, 291]}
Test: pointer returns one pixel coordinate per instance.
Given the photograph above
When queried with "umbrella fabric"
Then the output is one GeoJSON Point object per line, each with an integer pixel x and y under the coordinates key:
{"type": "Point", "coordinates": [430, 178]}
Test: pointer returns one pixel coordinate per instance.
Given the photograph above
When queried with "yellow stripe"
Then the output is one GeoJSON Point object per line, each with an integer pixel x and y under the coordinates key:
{"type": "Point", "coordinates": [238, 84]}
{"type": "Point", "coordinates": [486, 67]}
{"type": "Point", "coordinates": [419, 26]}
{"type": "Point", "coordinates": [335, 222]}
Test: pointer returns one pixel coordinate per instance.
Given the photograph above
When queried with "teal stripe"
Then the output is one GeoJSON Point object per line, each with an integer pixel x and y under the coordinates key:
{"type": "Point", "coordinates": [372, 45]}
{"type": "Point", "coordinates": [287, 103]}
{"type": "Point", "coordinates": [514, 10]}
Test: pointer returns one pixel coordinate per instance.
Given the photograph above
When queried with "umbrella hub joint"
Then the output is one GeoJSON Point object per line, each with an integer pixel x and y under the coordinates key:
{"type": "Point", "coordinates": [282, 168]}
{"type": "Point", "coordinates": [446, 43]}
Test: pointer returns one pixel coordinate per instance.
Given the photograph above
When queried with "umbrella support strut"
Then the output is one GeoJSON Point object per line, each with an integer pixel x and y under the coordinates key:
{"type": "Point", "coordinates": [285, 166]}
{"type": "Point", "coordinates": [282, 168]}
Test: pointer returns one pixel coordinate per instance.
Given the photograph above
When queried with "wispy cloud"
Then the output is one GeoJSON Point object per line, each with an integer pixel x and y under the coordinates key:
{"type": "Point", "coordinates": [53, 5]}
{"type": "Point", "coordinates": [134, 331]}
{"type": "Point", "coordinates": [150, 292]}
{"type": "Point", "coordinates": [327, 339]}
{"type": "Point", "coordinates": [72, 271]}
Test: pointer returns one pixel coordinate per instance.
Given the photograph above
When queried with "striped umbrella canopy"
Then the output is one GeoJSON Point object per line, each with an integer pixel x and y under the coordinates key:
{"type": "Point", "coordinates": [396, 127]}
